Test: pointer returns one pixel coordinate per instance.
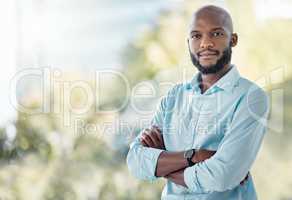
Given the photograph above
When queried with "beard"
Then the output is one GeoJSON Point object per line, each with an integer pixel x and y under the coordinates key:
{"type": "Point", "coordinates": [219, 65]}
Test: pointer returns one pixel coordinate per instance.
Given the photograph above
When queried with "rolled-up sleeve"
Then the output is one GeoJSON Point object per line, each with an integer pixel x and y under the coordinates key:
{"type": "Point", "coordinates": [237, 150]}
{"type": "Point", "coordinates": [142, 161]}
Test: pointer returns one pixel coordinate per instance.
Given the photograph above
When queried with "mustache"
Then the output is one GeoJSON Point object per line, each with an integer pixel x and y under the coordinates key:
{"type": "Point", "coordinates": [210, 50]}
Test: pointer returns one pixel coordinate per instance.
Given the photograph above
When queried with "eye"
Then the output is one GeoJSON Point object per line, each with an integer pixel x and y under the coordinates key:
{"type": "Point", "coordinates": [196, 36]}
{"type": "Point", "coordinates": [217, 34]}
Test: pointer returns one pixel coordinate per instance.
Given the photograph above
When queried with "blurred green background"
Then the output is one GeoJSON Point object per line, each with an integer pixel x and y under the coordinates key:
{"type": "Point", "coordinates": [47, 155]}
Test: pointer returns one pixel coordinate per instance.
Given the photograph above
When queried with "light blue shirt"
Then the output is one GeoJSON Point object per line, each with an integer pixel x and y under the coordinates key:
{"type": "Point", "coordinates": [230, 118]}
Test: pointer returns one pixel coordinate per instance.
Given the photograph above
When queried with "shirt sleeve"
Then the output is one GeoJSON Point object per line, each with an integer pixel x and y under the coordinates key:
{"type": "Point", "coordinates": [142, 160]}
{"type": "Point", "coordinates": [237, 150]}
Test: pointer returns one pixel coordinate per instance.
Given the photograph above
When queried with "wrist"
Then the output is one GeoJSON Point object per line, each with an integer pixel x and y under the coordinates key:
{"type": "Point", "coordinates": [188, 155]}
{"type": "Point", "coordinates": [195, 158]}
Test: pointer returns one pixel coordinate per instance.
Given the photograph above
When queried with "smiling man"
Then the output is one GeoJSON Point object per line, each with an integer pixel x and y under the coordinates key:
{"type": "Point", "coordinates": [205, 134]}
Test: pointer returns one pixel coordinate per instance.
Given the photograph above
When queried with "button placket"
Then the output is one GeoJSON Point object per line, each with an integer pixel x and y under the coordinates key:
{"type": "Point", "coordinates": [197, 104]}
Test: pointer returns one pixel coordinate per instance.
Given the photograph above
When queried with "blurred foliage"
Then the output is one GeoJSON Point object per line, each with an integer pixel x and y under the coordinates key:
{"type": "Point", "coordinates": [49, 160]}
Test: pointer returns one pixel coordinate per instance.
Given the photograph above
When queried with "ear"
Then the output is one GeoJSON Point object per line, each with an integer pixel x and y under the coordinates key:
{"type": "Point", "coordinates": [234, 39]}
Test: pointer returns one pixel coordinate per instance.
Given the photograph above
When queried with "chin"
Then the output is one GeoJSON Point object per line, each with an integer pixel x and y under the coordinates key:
{"type": "Point", "coordinates": [207, 65]}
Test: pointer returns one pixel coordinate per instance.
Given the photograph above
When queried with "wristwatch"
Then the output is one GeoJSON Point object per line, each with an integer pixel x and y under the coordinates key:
{"type": "Point", "coordinates": [189, 155]}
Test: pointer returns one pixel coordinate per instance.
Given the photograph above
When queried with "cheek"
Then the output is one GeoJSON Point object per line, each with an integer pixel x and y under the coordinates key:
{"type": "Point", "coordinates": [222, 45]}
{"type": "Point", "coordinates": [194, 48]}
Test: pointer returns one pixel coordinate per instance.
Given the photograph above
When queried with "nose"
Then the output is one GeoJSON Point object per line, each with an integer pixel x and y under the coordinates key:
{"type": "Point", "coordinates": [206, 43]}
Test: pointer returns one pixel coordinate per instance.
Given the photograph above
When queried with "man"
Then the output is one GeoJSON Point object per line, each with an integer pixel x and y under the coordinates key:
{"type": "Point", "coordinates": [206, 133]}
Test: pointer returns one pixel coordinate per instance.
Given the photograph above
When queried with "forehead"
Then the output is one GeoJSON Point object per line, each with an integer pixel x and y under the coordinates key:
{"type": "Point", "coordinates": [209, 21]}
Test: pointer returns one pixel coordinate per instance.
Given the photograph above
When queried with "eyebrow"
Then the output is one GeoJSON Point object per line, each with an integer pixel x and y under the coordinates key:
{"type": "Point", "coordinates": [218, 28]}
{"type": "Point", "coordinates": [213, 29]}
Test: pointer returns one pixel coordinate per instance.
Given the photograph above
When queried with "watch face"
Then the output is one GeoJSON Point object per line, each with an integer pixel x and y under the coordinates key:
{"type": "Point", "coordinates": [189, 153]}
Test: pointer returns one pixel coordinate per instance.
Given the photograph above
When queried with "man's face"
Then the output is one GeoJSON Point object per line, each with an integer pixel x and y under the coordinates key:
{"type": "Point", "coordinates": [209, 44]}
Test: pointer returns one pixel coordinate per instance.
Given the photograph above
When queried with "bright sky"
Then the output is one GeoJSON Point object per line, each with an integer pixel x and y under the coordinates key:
{"type": "Point", "coordinates": [266, 9]}
{"type": "Point", "coordinates": [86, 34]}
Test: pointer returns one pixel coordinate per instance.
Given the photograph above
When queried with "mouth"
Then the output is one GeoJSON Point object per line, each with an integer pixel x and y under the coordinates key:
{"type": "Point", "coordinates": [206, 55]}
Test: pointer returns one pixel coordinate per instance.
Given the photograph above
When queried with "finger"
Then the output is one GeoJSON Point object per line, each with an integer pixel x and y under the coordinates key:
{"type": "Point", "coordinates": [145, 131]}
{"type": "Point", "coordinates": [143, 137]}
{"type": "Point", "coordinates": [142, 140]}
{"type": "Point", "coordinates": [147, 140]}
{"type": "Point", "coordinates": [158, 136]}
{"type": "Point", "coordinates": [156, 128]}
{"type": "Point", "coordinates": [155, 133]}
{"type": "Point", "coordinates": [143, 143]}
{"type": "Point", "coordinates": [154, 139]}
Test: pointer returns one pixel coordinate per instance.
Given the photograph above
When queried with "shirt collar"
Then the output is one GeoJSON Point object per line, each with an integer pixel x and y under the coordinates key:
{"type": "Point", "coordinates": [227, 82]}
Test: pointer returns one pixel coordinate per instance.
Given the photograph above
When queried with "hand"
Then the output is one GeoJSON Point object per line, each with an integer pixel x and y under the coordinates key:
{"type": "Point", "coordinates": [152, 138]}
{"type": "Point", "coordinates": [202, 155]}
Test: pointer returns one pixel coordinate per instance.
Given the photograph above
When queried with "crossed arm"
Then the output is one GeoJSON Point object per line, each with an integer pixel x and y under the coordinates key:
{"type": "Point", "coordinates": [148, 159]}
{"type": "Point", "coordinates": [171, 165]}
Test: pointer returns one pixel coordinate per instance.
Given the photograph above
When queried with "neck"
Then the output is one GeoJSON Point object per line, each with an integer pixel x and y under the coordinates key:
{"type": "Point", "coordinates": [210, 79]}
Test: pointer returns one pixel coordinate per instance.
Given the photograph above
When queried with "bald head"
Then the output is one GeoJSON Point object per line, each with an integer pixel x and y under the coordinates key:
{"type": "Point", "coordinates": [211, 38]}
{"type": "Point", "coordinates": [214, 15]}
